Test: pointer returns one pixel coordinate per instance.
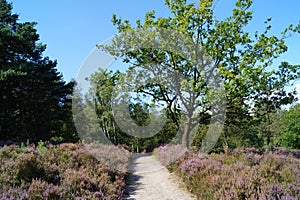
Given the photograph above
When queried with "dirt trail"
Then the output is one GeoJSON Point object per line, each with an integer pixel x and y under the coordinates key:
{"type": "Point", "coordinates": [152, 181]}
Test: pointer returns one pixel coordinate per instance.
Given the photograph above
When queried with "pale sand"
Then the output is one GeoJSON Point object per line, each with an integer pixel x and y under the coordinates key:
{"type": "Point", "coordinates": [149, 180]}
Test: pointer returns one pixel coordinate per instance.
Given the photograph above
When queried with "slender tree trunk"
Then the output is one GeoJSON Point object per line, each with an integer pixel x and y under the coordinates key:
{"type": "Point", "coordinates": [115, 133]}
{"type": "Point", "coordinates": [187, 133]}
{"type": "Point", "coordinates": [225, 142]}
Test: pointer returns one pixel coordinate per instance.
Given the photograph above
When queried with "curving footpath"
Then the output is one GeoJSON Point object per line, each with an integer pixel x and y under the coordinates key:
{"type": "Point", "coordinates": [149, 180]}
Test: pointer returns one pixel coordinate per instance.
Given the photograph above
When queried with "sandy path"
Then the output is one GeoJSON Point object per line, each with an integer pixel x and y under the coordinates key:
{"type": "Point", "coordinates": [151, 181]}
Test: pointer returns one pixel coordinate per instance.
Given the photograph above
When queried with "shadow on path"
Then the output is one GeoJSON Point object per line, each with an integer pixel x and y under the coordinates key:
{"type": "Point", "coordinates": [149, 180]}
{"type": "Point", "coordinates": [132, 179]}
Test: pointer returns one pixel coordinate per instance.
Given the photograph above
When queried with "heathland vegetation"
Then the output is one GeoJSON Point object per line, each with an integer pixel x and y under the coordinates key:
{"type": "Point", "coordinates": [44, 155]}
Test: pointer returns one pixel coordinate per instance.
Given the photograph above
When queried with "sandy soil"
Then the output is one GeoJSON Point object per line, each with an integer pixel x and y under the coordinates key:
{"type": "Point", "coordinates": [149, 180]}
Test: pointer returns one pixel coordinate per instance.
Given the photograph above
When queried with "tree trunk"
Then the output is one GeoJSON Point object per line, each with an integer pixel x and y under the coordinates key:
{"type": "Point", "coordinates": [115, 133]}
{"type": "Point", "coordinates": [187, 133]}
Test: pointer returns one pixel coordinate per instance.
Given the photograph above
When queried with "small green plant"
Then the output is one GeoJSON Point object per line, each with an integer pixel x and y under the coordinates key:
{"type": "Point", "coordinates": [41, 146]}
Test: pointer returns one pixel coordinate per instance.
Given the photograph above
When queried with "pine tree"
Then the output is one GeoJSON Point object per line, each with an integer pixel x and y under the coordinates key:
{"type": "Point", "coordinates": [34, 97]}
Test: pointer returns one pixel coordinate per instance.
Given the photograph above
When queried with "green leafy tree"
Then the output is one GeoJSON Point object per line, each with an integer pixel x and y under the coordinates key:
{"type": "Point", "coordinates": [104, 83]}
{"type": "Point", "coordinates": [241, 59]}
{"type": "Point", "coordinates": [272, 95]}
{"type": "Point", "coordinates": [289, 130]}
{"type": "Point", "coordinates": [34, 98]}
{"type": "Point", "coordinates": [139, 112]}
{"type": "Point", "coordinates": [100, 100]}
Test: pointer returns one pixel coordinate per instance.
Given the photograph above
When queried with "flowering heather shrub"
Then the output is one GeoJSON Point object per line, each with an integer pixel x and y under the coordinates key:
{"type": "Point", "coordinates": [117, 159]}
{"type": "Point", "coordinates": [288, 152]}
{"type": "Point", "coordinates": [40, 189]}
{"type": "Point", "coordinates": [10, 193]}
{"type": "Point", "coordinates": [241, 174]}
{"type": "Point", "coordinates": [66, 171]}
{"type": "Point", "coordinates": [168, 154]}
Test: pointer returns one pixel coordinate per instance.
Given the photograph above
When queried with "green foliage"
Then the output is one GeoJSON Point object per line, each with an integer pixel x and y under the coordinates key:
{"type": "Point", "coordinates": [104, 87]}
{"type": "Point", "coordinates": [289, 134]}
{"type": "Point", "coordinates": [34, 100]}
{"type": "Point", "coordinates": [105, 82]}
{"type": "Point", "coordinates": [242, 59]}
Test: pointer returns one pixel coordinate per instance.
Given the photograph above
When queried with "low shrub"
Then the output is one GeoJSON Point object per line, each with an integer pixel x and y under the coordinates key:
{"type": "Point", "coordinates": [65, 171]}
{"type": "Point", "coordinates": [168, 154]}
{"type": "Point", "coordinates": [240, 174]}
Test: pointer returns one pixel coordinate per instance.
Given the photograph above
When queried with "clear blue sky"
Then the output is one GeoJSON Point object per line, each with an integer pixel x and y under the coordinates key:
{"type": "Point", "coordinates": [72, 28]}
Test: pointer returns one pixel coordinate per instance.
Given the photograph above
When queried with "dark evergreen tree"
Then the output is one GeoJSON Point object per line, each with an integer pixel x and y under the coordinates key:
{"type": "Point", "coordinates": [34, 97]}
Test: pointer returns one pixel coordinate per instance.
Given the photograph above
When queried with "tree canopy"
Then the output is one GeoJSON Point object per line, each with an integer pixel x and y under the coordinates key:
{"type": "Point", "coordinates": [241, 61]}
{"type": "Point", "coordinates": [35, 103]}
